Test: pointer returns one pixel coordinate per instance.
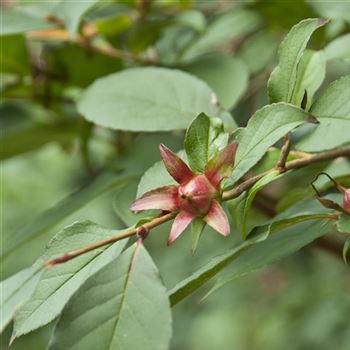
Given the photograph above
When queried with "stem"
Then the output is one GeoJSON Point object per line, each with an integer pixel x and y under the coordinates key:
{"type": "Point", "coordinates": [281, 164]}
{"type": "Point", "coordinates": [128, 233]}
{"type": "Point", "coordinates": [293, 164]}
{"type": "Point", "coordinates": [141, 230]}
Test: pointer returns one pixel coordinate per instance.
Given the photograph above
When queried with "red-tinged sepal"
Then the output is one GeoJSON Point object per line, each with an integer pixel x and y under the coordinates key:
{"type": "Point", "coordinates": [346, 200]}
{"type": "Point", "coordinates": [176, 167]}
{"type": "Point", "coordinates": [217, 219]}
{"type": "Point", "coordinates": [182, 220]}
{"type": "Point", "coordinates": [164, 198]}
{"type": "Point", "coordinates": [221, 165]}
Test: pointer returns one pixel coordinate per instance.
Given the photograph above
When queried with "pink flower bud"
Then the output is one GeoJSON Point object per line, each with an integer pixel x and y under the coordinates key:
{"type": "Point", "coordinates": [346, 200]}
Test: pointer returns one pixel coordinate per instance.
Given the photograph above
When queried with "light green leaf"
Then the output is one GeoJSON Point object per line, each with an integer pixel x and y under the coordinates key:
{"type": "Point", "coordinates": [15, 291]}
{"type": "Point", "coordinates": [51, 217]}
{"type": "Point", "coordinates": [223, 29]}
{"type": "Point", "coordinates": [208, 271]}
{"type": "Point", "coordinates": [311, 73]}
{"type": "Point", "coordinates": [346, 250]}
{"type": "Point", "coordinates": [12, 47]}
{"type": "Point", "coordinates": [58, 283]}
{"type": "Point", "coordinates": [339, 48]}
{"type": "Point", "coordinates": [226, 75]}
{"type": "Point", "coordinates": [197, 226]}
{"type": "Point", "coordinates": [72, 13]}
{"type": "Point", "coordinates": [343, 224]}
{"type": "Point", "coordinates": [147, 99]}
{"type": "Point", "coordinates": [16, 21]}
{"type": "Point", "coordinates": [264, 129]}
{"type": "Point", "coordinates": [283, 79]}
{"type": "Point", "coordinates": [245, 201]}
{"type": "Point", "coordinates": [258, 51]}
{"type": "Point", "coordinates": [123, 306]}
{"type": "Point", "coordinates": [332, 110]}
{"type": "Point", "coordinates": [330, 9]}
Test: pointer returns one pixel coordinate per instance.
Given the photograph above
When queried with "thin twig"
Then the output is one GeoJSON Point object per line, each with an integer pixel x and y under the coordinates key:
{"type": "Point", "coordinates": [281, 164]}
{"type": "Point", "coordinates": [294, 164]}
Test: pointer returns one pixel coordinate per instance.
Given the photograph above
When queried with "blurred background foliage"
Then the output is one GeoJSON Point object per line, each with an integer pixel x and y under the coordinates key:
{"type": "Point", "coordinates": [48, 151]}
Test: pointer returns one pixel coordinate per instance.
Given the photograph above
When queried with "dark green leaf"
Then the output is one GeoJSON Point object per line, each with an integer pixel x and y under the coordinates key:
{"type": "Point", "coordinates": [197, 226]}
{"type": "Point", "coordinates": [58, 283]}
{"type": "Point", "coordinates": [124, 306]}
{"type": "Point", "coordinates": [346, 250]}
{"type": "Point", "coordinates": [13, 47]}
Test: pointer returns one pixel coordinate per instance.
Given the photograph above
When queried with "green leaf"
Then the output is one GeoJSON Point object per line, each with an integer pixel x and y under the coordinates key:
{"type": "Point", "coordinates": [58, 283]}
{"type": "Point", "coordinates": [311, 73]}
{"type": "Point", "coordinates": [328, 9]}
{"type": "Point", "coordinates": [222, 30]}
{"type": "Point", "coordinates": [147, 99]}
{"type": "Point", "coordinates": [332, 110]}
{"type": "Point", "coordinates": [33, 136]}
{"type": "Point", "coordinates": [197, 142]}
{"type": "Point", "coordinates": [124, 306]}
{"type": "Point", "coordinates": [15, 291]}
{"type": "Point", "coordinates": [204, 138]}
{"type": "Point", "coordinates": [343, 224]}
{"type": "Point", "coordinates": [51, 217]}
{"type": "Point", "coordinates": [346, 250]}
{"type": "Point", "coordinates": [226, 75]}
{"type": "Point", "coordinates": [339, 48]}
{"type": "Point", "coordinates": [205, 273]}
{"type": "Point", "coordinates": [16, 21]}
{"type": "Point", "coordinates": [197, 226]}
{"type": "Point", "coordinates": [245, 201]}
{"type": "Point", "coordinates": [283, 79]}
{"type": "Point", "coordinates": [264, 129]}
{"type": "Point", "coordinates": [258, 51]}
{"type": "Point", "coordinates": [72, 13]}
{"type": "Point", "coordinates": [295, 233]}
{"type": "Point", "coordinates": [12, 47]}
{"type": "Point", "coordinates": [257, 251]}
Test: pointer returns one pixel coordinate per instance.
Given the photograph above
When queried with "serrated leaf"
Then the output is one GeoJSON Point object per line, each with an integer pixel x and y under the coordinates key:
{"type": "Point", "coordinates": [343, 223]}
{"type": "Point", "coordinates": [311, 73]}
{"type": "Point", "coordinates": [58, 283]}
{"type": "Point", "coordinates": [197, 142]}
{"type": "Point", "coordinates": [123, 306]}
{"type": "Point", "coordinates": [264, 129]}
{"type": "Point", "coordinates": [240, 207]}
{"type": "Point", "coordinates": [204, 137]}
{"type": "Point", "coordinates": [15, 291]}
{"type": "Point", "coordinates": [339, 48]}
{"type": "Point", "coordinates": [282, 82]}
{"type": "Point", "coordinates": [147, 99]}
{"type": "Point", "coordinates": [197, 226]}
{"type": "Point", "coordinates": [332, 110]}
{"type": "Point", "coordinates": [51, 217]}
{"type": "Point", "coordinates": [226, 75]}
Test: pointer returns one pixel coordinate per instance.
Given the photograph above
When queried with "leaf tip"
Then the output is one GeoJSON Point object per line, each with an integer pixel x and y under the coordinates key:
{"type": "Point", "coordinates": [313, 120]}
